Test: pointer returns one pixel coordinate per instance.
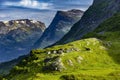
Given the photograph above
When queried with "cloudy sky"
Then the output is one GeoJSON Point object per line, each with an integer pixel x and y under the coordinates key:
{"type": "Point", "coordinates": [43, 10]}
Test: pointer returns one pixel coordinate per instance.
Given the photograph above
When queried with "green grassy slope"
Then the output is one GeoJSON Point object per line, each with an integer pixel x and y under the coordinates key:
{"type": "Point", "coordinates": [7, 66]}
{"type": "Point", "coordinates": [109, 32]}
{"type": "Point", "coordinates": [97, 57]}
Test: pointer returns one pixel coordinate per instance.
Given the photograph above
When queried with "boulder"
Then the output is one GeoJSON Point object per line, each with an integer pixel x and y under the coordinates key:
{"type": "Point", "coordinates": [54, 51]}
{"type": "Point", "coordinates": [49, 52]}
{"type": "Point", "coordinates": [79, 59]}
{"type": "Point", "coordinates": [58, 65]}
{"type": "Point", "coordinates": [70, 62]}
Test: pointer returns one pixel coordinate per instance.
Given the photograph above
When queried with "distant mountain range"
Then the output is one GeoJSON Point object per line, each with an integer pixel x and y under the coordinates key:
{"type": "Point", "coordinates": [17, 37]}
{"type": "Point", "coordinates": [97, 57]}
{"type": "Point", "coordinates": [60, 25]}
{"type": "Point", "coordinates": [92, 51]}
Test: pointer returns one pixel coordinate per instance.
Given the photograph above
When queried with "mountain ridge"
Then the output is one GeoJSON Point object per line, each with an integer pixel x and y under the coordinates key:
{"type": "Point", "coordinates": [18, 36]}
{"type": "Point", "coordinates": [94, 57]}
{"type": "Point", "coordinates": [60, 25]}
{"type": "Point", "coordinates": [100, 11]}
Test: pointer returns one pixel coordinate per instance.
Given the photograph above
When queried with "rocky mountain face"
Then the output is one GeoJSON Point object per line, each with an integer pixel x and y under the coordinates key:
{"type": "Point", "coordinates": [17, 37]}
{"type": "Point", "coordinates": [96, 14]}
{"type": "Point", "coordinates": [91, 58]}
{"type": "Point", "coordinates": [60, 25]}
{"type": "Point", "coordinates": [97, 57]}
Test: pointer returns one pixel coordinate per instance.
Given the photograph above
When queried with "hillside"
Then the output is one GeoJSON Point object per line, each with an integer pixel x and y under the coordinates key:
{"type": "Point", "coordinates": [109, 32]}
{"type": "Point", "coordinates": [61, 24]}
{"type": "Point", "coordinates": [18, 36]}
{"type": "Point", "coordinates": [95, 15]}
{"type": "Point", "coordinates": [94, 58]}
{"type": "Point", "coordinates": [5, 67]}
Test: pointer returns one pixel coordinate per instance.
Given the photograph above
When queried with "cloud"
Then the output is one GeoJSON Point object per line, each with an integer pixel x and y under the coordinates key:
{"type": "Point", "coordinates": [42, 10]}
{"type": "Point", "coordinates": [29, 4]}
{"type": "Point", "coordinates": [49, 4]}
{"type": "Point", "coordinates": [2, 15]}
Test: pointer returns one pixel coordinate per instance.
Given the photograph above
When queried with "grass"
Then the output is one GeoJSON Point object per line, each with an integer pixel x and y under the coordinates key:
{"type": "Point", "coordinates": [96, 62]}
{"type": "Point", "coordinates": [96, 57]}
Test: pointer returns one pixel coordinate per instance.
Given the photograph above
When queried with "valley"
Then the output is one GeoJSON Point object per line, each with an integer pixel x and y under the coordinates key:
{"type": "Point", "coordinates": [76, 46]}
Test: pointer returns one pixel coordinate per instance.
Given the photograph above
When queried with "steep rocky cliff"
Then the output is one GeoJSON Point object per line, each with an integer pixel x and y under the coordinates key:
{"type": "Point", "coordinates": [96, 14]}
{"type": "Point", "coordinates": [97, 57]}
{"type": "Point", "coordinates": [60, 25]}
{"type": "Point", "coordinates": [17, 37]}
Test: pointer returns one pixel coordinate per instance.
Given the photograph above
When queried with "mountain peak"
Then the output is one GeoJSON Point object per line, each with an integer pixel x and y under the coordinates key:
{"type": "Point", "coordinates": [96, 14]}
{"type": "Point", "coordinates": [21, 21]}
{"type": "Point", "coordinates": [75, 11]}
{"type": "Point", "coordinates": [70, 13]}
{"type": "Point", "coordinates": [60, 25]}
{"type": "Point", "coordinates": [21, 34]}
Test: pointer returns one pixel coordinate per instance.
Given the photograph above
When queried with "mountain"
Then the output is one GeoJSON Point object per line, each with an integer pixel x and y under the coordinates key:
{"type": "Point", "coordinates": [17, 37]}
{"type": "Point", "coordinates": [96, 14]}
{"type": "Point", "coordinates": [96, 57]}
{"type": "Point", "coordinates": [60, 25]}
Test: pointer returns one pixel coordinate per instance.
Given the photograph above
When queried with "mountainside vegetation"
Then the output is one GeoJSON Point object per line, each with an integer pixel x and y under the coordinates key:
{"type": "Point", "coordinates": [94, 16]}
{"type": "Point", "coordinates": [93, 51]}
{"type": "Point", "coordinates": [5, 67]}
{"type": "Point", "coordinates": [95, 57]}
